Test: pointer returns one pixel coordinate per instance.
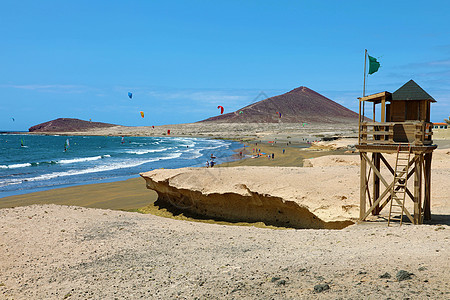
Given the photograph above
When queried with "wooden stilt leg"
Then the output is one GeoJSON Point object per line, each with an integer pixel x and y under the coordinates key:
{"type": "Point", "coordinates": [362, 188]}
{"type": "Point", "coordinates": [427, 197]}
{"type": "Point", "coordinates": [376, 182]}
{"type": "Point", "coordinates": [417, 188]}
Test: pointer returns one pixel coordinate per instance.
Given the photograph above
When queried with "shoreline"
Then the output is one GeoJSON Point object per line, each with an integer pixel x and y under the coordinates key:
{"type": "Point", "coordinates": [119, 178]}
{"type": "Point", "coordinates": [235, 159]}
{"type": "Point", "coordinates": [132, 195]}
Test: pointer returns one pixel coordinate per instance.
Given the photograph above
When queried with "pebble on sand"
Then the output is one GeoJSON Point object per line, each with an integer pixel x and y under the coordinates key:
{"type": "Point", "coordinates": [321, 287]}
{"type": "Point", "coordinates": [403, 275]}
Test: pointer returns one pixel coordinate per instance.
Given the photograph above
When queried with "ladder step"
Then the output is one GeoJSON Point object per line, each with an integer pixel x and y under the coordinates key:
{"type": "Point", "coordinates": [395, 219]}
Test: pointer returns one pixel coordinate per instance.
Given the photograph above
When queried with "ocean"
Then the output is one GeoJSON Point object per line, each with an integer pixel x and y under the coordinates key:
{"type": "Point", "coordinates": [42, 162]}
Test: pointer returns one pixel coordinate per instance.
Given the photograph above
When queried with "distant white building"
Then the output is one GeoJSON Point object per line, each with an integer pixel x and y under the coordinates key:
{"type": "Point", "coordinates": [440, 125]}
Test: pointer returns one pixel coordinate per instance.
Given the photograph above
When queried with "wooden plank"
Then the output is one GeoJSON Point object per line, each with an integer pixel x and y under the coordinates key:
{"type": "Point", "coordinates": [392, 148]}
{"type": "Point", "coordinates": [359, 123]}
{"type": "Point", "coordinates": [387, 164]}
{"type": "Point", "coordinates": [374, 96]}
{"type": "Point", "coordinates": [427, 196]}
{"type": "Point", "coordinates": [376, 182]}
{"type": "Point", "coordinates": [367, 188]}
{"type": "Point", "coordinates": [378, 132]}
{"type": "Point", "coordinates": [375, 170]}
{"type": "Point", "coordinates": [383, 109]}
{"type": "Point", "coordinates": [362, 187]}
{"type": "Point", "coordinates": [417, 188]}
{"type": "Point", "coordinates": [374, 112]}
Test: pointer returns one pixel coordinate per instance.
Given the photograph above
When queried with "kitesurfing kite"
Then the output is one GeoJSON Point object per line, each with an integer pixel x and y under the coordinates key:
{"type": "Point", "coordinates": [142, 113]}
{"type": "Point", "coordinates": [221, 109]}
{"type": "Point", "coordinates": [13, 119]}
{"type": "Point", "coordinates": [168, 131]}
{"type": "Point", "coordinates": [123, 140]}
{"type": "Point", "coordinates": [130, 95]}
{"type": "Point", "coordinates": [303, 124]}
{"type": "Point", "coordinates": [241, 112]}
{"type": "Point", "coordinates": [279, 114]}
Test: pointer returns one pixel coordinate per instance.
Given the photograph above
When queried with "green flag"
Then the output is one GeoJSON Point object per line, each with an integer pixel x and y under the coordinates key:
{"type": "Point", "coordinates": [373, 65]}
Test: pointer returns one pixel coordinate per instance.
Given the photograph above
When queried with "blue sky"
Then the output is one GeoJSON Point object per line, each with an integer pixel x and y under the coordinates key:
{"type": "Point", "coordinates": [181, 59]}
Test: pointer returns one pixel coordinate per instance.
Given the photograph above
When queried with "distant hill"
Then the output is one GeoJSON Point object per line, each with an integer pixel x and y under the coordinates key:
{"type": "Point", "coordinates": [68, 125]}
{"type": "Point", "coordinates": [297, 106]}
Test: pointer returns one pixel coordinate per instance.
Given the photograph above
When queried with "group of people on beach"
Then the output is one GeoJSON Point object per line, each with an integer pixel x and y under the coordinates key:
{"type": "Point", "coordinates": [211, 163]}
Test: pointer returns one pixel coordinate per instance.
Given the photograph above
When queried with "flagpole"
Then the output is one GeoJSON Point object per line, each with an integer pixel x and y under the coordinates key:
{"type": "Point", "coordinates": [364, 85]}
{"type": "Point", "coordinates": [364, 93]}
{"type": "Point", "coordinates": [365, 63]}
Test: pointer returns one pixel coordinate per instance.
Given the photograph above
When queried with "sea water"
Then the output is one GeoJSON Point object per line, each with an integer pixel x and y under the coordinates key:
{"type": "Point", "coordinates": [43, 163]}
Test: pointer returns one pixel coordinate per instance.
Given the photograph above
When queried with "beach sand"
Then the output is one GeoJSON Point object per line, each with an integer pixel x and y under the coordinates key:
{"type": "Point", "coordinates": [62, 252]}
{"type": "Point", "coordinates": [50, 251]}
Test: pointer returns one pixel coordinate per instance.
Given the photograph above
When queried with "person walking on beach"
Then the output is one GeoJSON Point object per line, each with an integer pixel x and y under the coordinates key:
{"type": "Point", "coordinates": [207, 164]}
{"type": "Point", "coordinates": [273, 155]}
{"type": "Point", "coordinates": [284, 151]}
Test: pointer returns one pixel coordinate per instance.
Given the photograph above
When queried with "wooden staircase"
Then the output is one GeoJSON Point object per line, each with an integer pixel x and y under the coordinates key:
{"type": "Point", "coordinates": [398, 191]}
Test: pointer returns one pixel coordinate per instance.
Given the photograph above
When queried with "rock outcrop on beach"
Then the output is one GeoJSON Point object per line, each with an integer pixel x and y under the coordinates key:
{"type": "Point", "coordinates": [301, 105]}
{"type": "Point", "coordinates": [68, 125]}
{"type": "Point", "coordinates": [282, 196]}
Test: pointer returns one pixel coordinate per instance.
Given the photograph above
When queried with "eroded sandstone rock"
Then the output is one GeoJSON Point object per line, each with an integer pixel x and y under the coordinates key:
{"type": "Point", "coordinates": [278, 196]}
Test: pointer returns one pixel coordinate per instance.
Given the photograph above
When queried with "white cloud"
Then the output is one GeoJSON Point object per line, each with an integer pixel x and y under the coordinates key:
{"type": "Point", "coordinates": [52, 88]}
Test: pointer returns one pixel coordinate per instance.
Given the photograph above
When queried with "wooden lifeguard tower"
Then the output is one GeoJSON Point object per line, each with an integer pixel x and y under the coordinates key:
{"type": "Point", "coordinates": [404, 130]}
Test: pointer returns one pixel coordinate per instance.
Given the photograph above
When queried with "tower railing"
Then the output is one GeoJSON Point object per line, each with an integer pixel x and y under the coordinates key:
{"type": "Point", "coordinates": [416, 133]}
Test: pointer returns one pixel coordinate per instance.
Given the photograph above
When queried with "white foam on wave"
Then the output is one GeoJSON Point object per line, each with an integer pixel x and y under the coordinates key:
{"type": "Point", "coordinates": [81, 159]}
{"type": "Point", "coordinates": [14, 166]}
{"type": "Point", "coordinates": [119, 165]}
{"type": "Point", "coordinates": [194, 154]}
{"type": "Point", "coordinates": [186, 141]}
{"type": "Point", "coordinates": [140, 152]}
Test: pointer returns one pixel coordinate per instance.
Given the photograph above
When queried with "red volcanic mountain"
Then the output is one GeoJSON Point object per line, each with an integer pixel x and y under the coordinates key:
{"type": "Point", "coordinates": [68, 125]}
{"type": "Point", "coordinates": [297, 106]}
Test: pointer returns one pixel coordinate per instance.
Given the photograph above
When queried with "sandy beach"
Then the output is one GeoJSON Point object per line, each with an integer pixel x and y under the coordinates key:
{"type": "Point", "coordinates": [57, 252]}
{"type": "Point", "coordinates": [78, 243]}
